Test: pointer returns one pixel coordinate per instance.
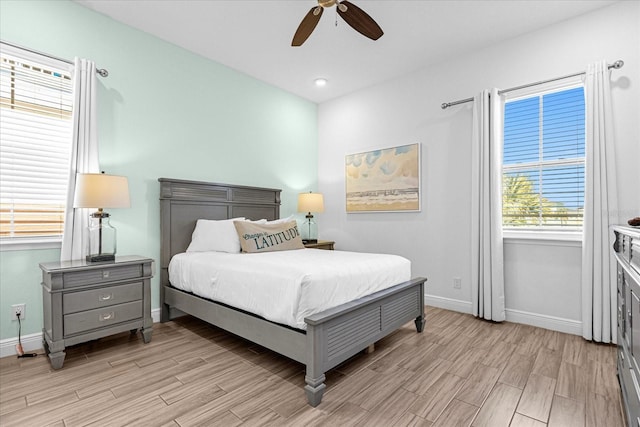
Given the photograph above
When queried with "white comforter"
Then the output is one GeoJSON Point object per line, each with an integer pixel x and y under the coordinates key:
{"type": "Point", "coordinates": [286, 286]}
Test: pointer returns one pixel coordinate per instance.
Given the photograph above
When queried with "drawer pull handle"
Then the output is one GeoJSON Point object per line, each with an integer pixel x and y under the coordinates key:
{"type": "Point", "coordinates": [105, 297]}
{"type": "Point", "coordinates": [107, 316]}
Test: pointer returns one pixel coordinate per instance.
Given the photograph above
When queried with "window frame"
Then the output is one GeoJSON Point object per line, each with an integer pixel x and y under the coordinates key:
{"type": "Point", "coordinates": [546, 234]}
{"type": "Point", "coordinates": [38, 241]}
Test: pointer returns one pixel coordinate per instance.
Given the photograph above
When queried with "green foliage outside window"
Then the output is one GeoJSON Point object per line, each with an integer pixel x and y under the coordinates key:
{"type": "Point", "coordinates": [523, 206]}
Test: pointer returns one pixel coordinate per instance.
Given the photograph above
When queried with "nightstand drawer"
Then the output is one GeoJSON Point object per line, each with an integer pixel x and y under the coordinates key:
{"type": "Point", "coordinates": [98, 318]}
{"type": "Point", "coordinates": [101, 275]}
{"type": "Point", "coordinates": [73, 302]}
{"type": "Point", "coordinates": [320, 244]}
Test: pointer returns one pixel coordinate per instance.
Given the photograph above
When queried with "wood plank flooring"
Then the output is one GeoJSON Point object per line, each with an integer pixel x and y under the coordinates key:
{"type": "Point", "coordinates": [460, 371]}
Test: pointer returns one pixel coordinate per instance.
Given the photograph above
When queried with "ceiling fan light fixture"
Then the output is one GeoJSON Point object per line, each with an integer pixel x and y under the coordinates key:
{"type": "Point", "coordinates": [321, 82]}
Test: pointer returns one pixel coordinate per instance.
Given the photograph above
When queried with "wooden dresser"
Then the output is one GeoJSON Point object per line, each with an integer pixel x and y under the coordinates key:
{"type": "Point", "coordinates": [627, 250]}
{"type": "Point", "coordinates": [83, 301]}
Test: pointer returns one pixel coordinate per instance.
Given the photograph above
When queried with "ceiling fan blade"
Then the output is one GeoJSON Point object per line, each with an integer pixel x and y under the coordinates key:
{"type": "Point", "coordinates": [359, 20]}
{"type": "Point", "coordinates": [307, 26]}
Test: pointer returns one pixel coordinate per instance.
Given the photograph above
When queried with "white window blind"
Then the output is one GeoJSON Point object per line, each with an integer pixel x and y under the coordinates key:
{"type": "Point", "coordinates": [543, 165]}
{"type": "Point", "coordinates": [36, 99]}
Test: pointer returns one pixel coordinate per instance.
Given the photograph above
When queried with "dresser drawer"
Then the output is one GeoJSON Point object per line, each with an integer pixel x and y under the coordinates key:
{"type": "Point", "coordinates": [73, 302]}
{"type": "Point", "coordinates": [94, 319]}
{"type": "Point", "coordinates": [101, 275]}
{"type": "Point", "coordinates": [621, 311]}
{"type": "Point", "coordinates": [634, 258]}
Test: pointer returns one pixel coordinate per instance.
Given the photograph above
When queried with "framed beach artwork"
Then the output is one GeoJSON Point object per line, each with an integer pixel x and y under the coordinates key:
{"type": "Point", "coordinates": [385, 180]}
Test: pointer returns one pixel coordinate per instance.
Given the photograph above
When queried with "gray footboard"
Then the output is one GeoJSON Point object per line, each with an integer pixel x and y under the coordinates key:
{"type": "Point", "coordinates": [336, 334]}
{"type": "Point", "coordinates": [332, 336]}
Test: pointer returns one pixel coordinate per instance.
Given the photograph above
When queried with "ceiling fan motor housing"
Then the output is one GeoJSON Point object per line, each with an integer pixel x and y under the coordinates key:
{"type": "Point", "coordinates": [326, 3]}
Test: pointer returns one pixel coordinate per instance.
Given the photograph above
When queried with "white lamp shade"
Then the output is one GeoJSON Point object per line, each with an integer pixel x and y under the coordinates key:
{"type": "Point", "coordinates": [310, 202]}
{"type": "Point", "coordinates": [98, 190]}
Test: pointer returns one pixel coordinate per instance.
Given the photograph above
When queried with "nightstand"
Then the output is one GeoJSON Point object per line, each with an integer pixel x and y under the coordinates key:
{"type": "Point", "coordinates": [85, 301]}
{"type": "Point", "coordinates": [322, 244]}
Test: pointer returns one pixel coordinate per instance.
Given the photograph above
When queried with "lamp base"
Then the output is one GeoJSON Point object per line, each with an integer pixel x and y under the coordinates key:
{"type": "Point", "coordinates": [101, 258]}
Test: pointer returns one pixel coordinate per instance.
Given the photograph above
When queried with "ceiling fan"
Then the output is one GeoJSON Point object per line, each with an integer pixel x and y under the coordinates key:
{"type": "Point", "coordinates": [352, 14]}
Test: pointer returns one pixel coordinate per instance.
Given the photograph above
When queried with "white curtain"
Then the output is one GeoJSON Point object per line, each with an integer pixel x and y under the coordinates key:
{"type": "Point", "coordinates": [487, 263]}
{"type": "Point", "coordinates": [600, 210]}
{"type": "Point", "coordinates": [84, 157]}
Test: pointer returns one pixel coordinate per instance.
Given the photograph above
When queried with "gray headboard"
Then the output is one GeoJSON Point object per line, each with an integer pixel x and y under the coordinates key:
{"type": "Point", "coordinates": [182, 203]}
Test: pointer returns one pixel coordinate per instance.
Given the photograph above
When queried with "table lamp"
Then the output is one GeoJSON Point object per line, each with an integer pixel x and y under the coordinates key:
{"type": "Point", "coordinates": [310, 202]}
{"type": "Point", "coordinates": [98, 190]}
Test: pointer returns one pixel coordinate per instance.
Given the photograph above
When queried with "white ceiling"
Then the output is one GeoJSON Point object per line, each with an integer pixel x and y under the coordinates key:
{"type": "Point", "coordinates": [254, 36]}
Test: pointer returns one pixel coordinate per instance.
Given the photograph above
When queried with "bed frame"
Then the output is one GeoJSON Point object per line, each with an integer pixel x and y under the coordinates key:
{"type": "Point", "coordinates": [332, 336]}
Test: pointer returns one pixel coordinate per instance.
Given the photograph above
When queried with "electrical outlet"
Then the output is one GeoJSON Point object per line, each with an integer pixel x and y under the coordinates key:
{"type": "Point", "coordinates": [18, 308]}
{"type": "Point", "coordinates": [457, 283]}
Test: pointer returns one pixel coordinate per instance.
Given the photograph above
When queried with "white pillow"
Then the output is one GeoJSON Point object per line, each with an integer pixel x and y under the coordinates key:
{"type": "Point", "coordinates": [282, 220]}
{"type": "Point", "coordinates": [219, 236]}
{"type": "Point", "coordinates": [275, 221]}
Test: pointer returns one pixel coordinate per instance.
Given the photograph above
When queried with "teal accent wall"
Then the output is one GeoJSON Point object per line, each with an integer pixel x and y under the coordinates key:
{"type": "Point", "coordinates": [163, 112]}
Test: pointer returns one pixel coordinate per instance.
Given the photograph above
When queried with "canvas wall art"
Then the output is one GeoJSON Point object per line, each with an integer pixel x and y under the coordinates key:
{"type": "Point", "coordinates": [384, 180]}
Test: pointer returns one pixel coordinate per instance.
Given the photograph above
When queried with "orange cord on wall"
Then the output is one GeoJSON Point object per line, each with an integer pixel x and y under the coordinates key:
{"type": "Point", "coordinates": [19, 349]}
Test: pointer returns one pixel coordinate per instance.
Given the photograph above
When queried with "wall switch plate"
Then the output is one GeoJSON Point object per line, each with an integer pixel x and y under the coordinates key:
{"type": "Point", "coordinates": [457, 283]}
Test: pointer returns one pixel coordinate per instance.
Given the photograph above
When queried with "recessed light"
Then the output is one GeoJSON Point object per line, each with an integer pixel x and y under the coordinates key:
{"type": "Point", "coordinates": [320, 82]}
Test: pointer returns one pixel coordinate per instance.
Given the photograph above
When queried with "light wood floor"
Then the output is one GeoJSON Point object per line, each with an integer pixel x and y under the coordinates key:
{"type": "Point", "coordinates": [461, 371]}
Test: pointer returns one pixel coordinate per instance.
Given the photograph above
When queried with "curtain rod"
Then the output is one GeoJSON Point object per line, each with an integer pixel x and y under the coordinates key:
{"type": "Point", "coordinates": [618, 64]}
{"type": "Point", "coordinates": [102, 71]}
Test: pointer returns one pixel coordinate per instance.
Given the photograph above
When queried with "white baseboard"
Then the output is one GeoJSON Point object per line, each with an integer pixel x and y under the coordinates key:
{"type": "Point", "coordinates": [30, 344]}
{"type": "Point", "coordinates": [33, 342]}
{"type": "Point", "coordinates": [516, 316]}
{"type": "Point", "coordinates": [553, 323]}
{"type": "Point", "coordinates": [448, 303]}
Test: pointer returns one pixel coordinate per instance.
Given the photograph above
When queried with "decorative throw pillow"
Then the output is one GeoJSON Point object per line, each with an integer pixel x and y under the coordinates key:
{"type": "Point", "coordinates": [268, 237]}
{"type": "Point", "coordinates": [258, 221]}
{"type": "Point", "coordinates": [212, 235]}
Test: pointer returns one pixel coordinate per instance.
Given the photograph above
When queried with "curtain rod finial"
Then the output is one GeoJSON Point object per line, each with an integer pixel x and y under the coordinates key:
{"type": "Point", "coordinates": [444, 105]}
{"type": "Point", "coordinates": [103, 72]}
{"type": "Point", "coordinates": [618, 64]}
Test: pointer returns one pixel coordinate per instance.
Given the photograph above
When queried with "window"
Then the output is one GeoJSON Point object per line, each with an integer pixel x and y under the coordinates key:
{"type": "Point", "coordinates": [543, 163]}
{"type": "Point", "coordinates": [35, 145]}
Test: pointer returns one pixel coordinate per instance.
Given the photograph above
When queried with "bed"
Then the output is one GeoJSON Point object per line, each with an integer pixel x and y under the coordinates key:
{"type": "Point", "coordinates": [331, 337]}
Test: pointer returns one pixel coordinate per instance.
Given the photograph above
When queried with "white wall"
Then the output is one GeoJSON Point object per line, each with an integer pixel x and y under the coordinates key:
{"type": "Point", "coordinates": [542, 279]}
